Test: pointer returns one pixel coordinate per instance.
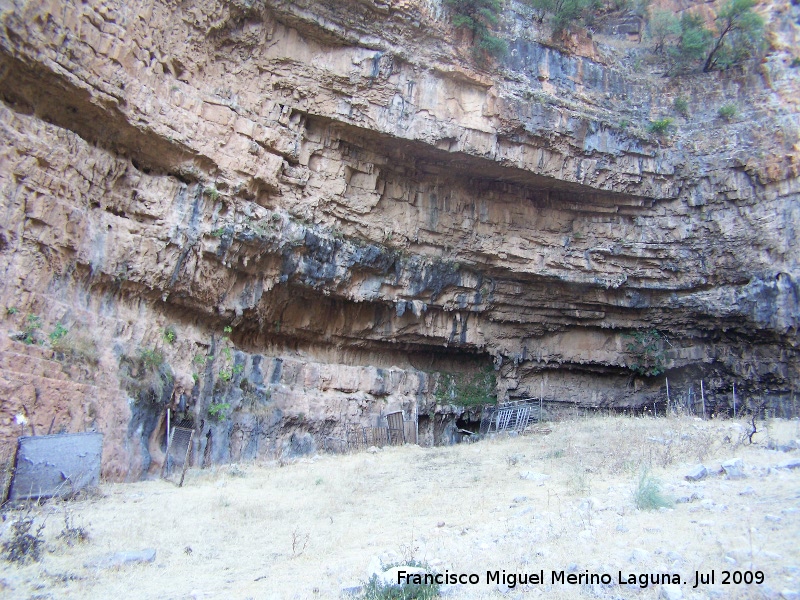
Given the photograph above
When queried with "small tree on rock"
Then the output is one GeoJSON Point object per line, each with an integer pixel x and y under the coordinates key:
{"type": "Point", "coordinates": [480, 16]}
{"type": "Point", "coordinates": [663, 29]}
{"type": "Point", "coordinates": [563, 13]}
{"type": "Point", "coordinates": [693, 42]}
{"type": "Point", "coordinates": [647, 352]}
{"type": "Point", "coordinates": [739, 35]}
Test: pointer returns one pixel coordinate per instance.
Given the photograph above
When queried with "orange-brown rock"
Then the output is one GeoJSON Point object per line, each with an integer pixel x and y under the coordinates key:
{"type": "Point", "coordinates": [286, 218]}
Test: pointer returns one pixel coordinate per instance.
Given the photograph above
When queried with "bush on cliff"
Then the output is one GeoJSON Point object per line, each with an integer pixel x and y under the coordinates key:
{"type": "Point", "coordinates": [563, 13]}
{"type": "Point", "coordinates": [739, 35]}
{"type": "Point", "coordinates": [647, 352]}
{"type": "Point", "coordinates": [147, 375]}
{"type": "Point", "coordinates": [480, 17]}
{"type": "Point", "coordinates": [467, 389]}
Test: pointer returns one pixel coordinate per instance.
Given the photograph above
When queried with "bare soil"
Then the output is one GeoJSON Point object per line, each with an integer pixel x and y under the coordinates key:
{"type": "Point", "coordinates": [561, 500]}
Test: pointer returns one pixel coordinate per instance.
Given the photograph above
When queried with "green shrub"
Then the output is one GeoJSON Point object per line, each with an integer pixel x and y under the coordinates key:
{"type": "Point", "coordinates": [211, 192]}
{"type": "Point", "coordinates": [170, 334]}
{"type": "Point", "coordinates": [661, 126]}
{"type": "Point", "coordinates": [24, 544]}
{"type": "Point", "coordinates": [31, 329]}
{"type": "Point", "coordinates": [147, 375]}
{"type": "Point", "coordinates": [479, 17]}
{"type": "Point", "coordinates": [681, 106]}
{"type": "Point", "coordinates": [648, 495]}
{"type": "Point", "coordinates": [563, 13]}
{"type": "Point", "coordinates": [727, 111]}
{"type": "Point", "coordinates": [218, 410]}
{"type": "Point", "coordinates": [227, 369]}
{"type": "Point", "coordinates": [467, 389]}
{"type": "Point", "coordinates": [663, 29]}
{"type": "Point", "coordinates": [647, 350]}
{"type": "Point", "coordinates": [375, 589]}
{"type": "Point", "coordinates": [59, 331]}
{"type": "Point", "coordinates": [692, 43]}
{"type": "Point", "coordinates": [794, 64]}
{"type": "Point", "coordinates": [75, 346]}
{"type": "Point", "coordinates": [151, 358]}
{"type": "Point", "coordinates": [739, 35]}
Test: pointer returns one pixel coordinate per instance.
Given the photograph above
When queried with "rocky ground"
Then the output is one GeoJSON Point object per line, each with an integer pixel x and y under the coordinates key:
{"type": "Point", "coordinates": [559, 499]}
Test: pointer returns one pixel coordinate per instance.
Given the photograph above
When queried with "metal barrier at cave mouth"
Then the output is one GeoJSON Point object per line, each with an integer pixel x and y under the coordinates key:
{"type": "Point", "coordinates": [511, 416]}
{"type": "Point", "coordinates": [398, 431]}
{"type": "Point", "coordinates": [179, 450]}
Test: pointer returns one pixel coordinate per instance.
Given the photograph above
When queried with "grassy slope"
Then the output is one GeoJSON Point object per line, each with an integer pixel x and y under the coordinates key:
{"type": "Point", "coordinates": [264, 531]}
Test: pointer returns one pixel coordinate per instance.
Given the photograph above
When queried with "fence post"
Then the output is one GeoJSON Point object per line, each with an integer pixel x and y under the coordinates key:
{"type": "Point", "coordinates": [703, 397]}
{"type": "Point", "coordinates": [541, 399]}
{"type": "Point", "coordinates": [666, 413]}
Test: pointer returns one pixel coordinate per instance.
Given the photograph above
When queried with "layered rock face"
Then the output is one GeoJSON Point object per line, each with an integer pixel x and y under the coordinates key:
{"type": "Point", "coordinates": [283, 219]}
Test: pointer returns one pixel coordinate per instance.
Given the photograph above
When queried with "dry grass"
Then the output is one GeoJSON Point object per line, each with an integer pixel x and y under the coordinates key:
{"type": "Point", "coordinates": [306, 529]}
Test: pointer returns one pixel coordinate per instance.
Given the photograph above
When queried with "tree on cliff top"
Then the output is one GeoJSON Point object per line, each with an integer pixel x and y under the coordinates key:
{"type": "Point", "coordinates": [563, 13]}
{"type": "Point", "coordinates": [739, 35]}
{"type": "Point", "coordinates": [479, 16]}
{"type": "Point", "coordinates": [693, 41]}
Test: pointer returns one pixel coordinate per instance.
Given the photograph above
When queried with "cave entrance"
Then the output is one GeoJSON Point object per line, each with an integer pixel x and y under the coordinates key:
{"type": "Point", "coordinates": [468, 425]}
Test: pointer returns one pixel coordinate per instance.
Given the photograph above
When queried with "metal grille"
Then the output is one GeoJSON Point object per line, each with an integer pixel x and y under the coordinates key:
{"type": "Point", "coordinates": [512, 416]}
{"type": "Point", "coordinates": [179, 448]}
{"type": "Point", "coordinates": [357, 437]}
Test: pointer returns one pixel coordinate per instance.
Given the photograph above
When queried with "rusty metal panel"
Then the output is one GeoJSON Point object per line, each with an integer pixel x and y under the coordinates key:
{"type": "Point", "coordinates": [410, 431]}
{"type": "Point", "coordinates": [55, 465]}
{"type": "Point", "coordinates": [396, 433]}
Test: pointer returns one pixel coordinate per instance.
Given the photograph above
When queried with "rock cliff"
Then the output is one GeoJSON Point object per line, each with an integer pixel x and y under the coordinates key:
{"type": "Point", "coordinates": [282, 218]}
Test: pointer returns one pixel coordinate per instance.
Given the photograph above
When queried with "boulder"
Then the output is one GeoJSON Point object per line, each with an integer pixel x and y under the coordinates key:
{"type": "Point", "coordinates": [734, 468]}
{"type": "Point", "coordinates": [119, 559]}
{"type": "Point", "coordinates": [696, 473]}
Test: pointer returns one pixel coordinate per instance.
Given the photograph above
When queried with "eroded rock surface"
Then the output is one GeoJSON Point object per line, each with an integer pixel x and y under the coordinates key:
{"type": "Point", "coordinates": [282, 218]}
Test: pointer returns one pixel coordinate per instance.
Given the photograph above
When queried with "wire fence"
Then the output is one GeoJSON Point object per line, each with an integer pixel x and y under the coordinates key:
{"type": "Point", "coordinates": [354, 437]}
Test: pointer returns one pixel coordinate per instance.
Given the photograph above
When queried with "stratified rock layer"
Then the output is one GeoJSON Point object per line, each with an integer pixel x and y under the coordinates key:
{"type": "Point", "coordinates": [282, 219]}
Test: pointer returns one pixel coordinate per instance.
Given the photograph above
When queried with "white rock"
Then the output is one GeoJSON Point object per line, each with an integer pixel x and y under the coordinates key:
{"type": "Point", "coordinates": [734, 468]}
{"type": "Point", "coordinates": [533, 476]}
{"type": "Point", "coordinates": [351, 589]}
{"type": "Point", "coordinates": [696, 473]}
{"type": "Point", "coordinates": [639, 555]}
{"type": "Point", "coordinates": [390, 577]}
{"type": "Point", "coordinates": [374, 568]}
{"type": "Point", "coordinates": [671, 591]}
